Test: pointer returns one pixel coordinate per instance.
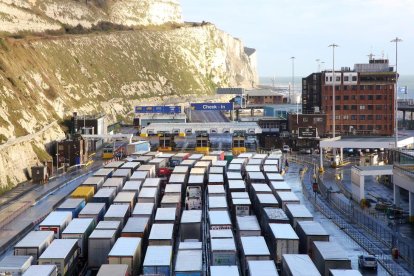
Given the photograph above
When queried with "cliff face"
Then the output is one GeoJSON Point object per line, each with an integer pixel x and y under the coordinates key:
{"type": "Point", "coordinates": [42, 79]}
{"type": "Point", "coordinates": [18, 16]}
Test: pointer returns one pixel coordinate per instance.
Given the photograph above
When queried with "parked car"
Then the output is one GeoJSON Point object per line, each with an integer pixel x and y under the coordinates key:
{"type": "Point", "coordinates": [305, 151]}
{"type": "Point", "coordinates": [367, 261]}
{"type": "Point", "coordinates": [286, 148]}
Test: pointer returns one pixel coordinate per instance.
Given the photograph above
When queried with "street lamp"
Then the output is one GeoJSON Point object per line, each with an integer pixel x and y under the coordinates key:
{"type": "Point", "coordinates": [297, 109]}
{"type": "Point", "coordinates": [57, 157]}
{"type": "Point", "coordinates": [293, 77]}
{"type": "Point", "coordinates": [333, 45]}
{"type": "Point", "coordinates": [318, 61]}
{"type": "Point", "coordinates": [396, 40]}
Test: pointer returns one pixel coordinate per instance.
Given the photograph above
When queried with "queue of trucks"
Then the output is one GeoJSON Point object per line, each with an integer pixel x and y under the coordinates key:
{"type": "Point", "coordinates": [208, 217]}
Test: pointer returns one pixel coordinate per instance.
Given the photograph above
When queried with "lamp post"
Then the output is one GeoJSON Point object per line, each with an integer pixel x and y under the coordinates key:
{"type": "Point", "coordinates": [297, 110]}
{"type": "Point", "coordinates": [293, 77]}
{"type": "Point", "coordinates": [318, 61]}
{"type": "Point", "coordinates": [333, 45]}
{"type": "Point", "coordinates": [57, 157]}
{"type": "Point", "coordinates": [396, 40]}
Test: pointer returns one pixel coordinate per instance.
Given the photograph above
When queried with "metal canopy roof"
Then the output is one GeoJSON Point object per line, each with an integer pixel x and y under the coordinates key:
{"type": "Point", "coordinates": [215, 127]}
{"type": "Point", "coordinates": [365, 142]}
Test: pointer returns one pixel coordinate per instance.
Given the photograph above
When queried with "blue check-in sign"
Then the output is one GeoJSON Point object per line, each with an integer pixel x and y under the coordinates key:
{"type": "Point", "coordinates": [212, 106]}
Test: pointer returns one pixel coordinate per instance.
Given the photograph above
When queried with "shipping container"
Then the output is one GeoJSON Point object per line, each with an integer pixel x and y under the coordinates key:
{"type": "Point", "coordinates": [86, 193]}
{"type": "Point", "coordinates": [196, 180]}
{"type": "Point", "coordinates": [152, 183]}
{"type": "Point", "coordinates": [178, 178]}
{"type": "Point", "coordinates": [56, 222]}
{"type": "Point", "coordinates": [144, 210]}
{"type": "Point", "coordinates": [144, 159]}
{"type": "Point", "coordinates": [171, 201]}
{"type": "Point", "coordinates": [104, 172]}
{"type": "Point", "coordinates": [234, 175]}
{"type": "Point", "coordinates": [124, 174]}
{"type": "Point", "coordinates": [105, 195]}
{"type": "Point", "coordinates": [189, 263]}
{"type": "Point", "coordinates": [161, 234]}
{"type": "Point", "coordinates": [80, 229]}
{"type": "Point", "coordinates": [297, 212]}
{"type": "Point", "coordinates": [216, 170]}
{"type": "Point", "coordinates": [99, 244]}
{"type": "Point", "coordinates": [158, 163]}
{"type": "Point", "coordinates": [63, 254]}
{"type": "Point", "coordinates": [344, 272]}
{"type": "Point", "coordinates": [247, 226]}
{"type": "Point", "coordinates": [223, 252]}
{"type": "Point", "coordinates": [181, 170]}
{"type": "Point", "coordinates": [308, 232]}
{"type": "Point", "coordinates": [298, 265]}
{"type": "Point", "coordinates": [260, 188]}
{"type": "Point", "coordinates": [190, 226]}
{"type": "Point", "coordinates": [262, 268]}
{"type": "Point", "coordinates": [132, 166]}
{"type": "Point", "coordinates": [114, 165]}
{"type": "Point", "coordinates": [139, 176]}
{"type": "Point", "coordinates": [151, 169]}
{"type": "Point", "coordinates": [274, 177]}
{"type": "Point", "coordinates": [113, 270]}
{"type": "Point", "coordinates": [280, 186]}
{"type": "Point", "coordinates": [117, 212]}
{"type": "Point", "coordinates": [216, 190]}
{"type": "Point", "coordinates": [265, 200]}
{"type": "Point", "coordinates": [34, 244]}
{"type": "Point", "coordinates": [221, 234]}
{"type": "Point", "coordinates": [241, 206]}
{"type": "Point", "coordinates": [15, 265]}
{"type": "Point", "coordinates": [158, 260]}
{"type": "Point", "coordinates": [224, 270]}
{"type": "Point", "coordinates": [95, 182]}
{"type": "Point", "coordinates": [215, 179]}
{"type": "Point", "coordinates": [190, 245]}
{"type": "Point", "coordinates": [270, 169]}
{"type": "Point", "coordinates": [253, 168]}
{"type": "Point", "coordinates": [116, 183]}
{"type": "Point", "coordinates": [41, 270]}
{"type": "Point", "coordinates": [125, 198]}
{"type": "Point", "coordinates": [127, 251]}
{"type": "Point", "coordinates": [178, 158]}
{"type": "Point", "coordinates": [73, 205]}
{"type": "Point", "coordinates": [132, 186]}
{"type": "Point", "coordinates": [95, 211]}
{"type": "Point", "coordinates": [283, 240]}
{"type": "Point", "coordinates": [173, 189]}
{"type": "Point", "coordinates": [285, 198]}
{"type": "Point", "coordinates": [189, 163]}
{"type": "Point", "coordinates": [253, 248]}
{"type": "Point", "coordinates": [219, 220]}
{"type": "Point", "coordinates": [196, 156]}
{"type": "Point", "coordinates": [166, 215]}
{"type": "Point", "coordinates": [256, 177]}
{"type": "Point", "coordinates": [236, 186]}
{"type": "Point", "coordinates": [217, 203]}
{"type": "Point", "coordinates": [329, 255]}
{"type": "Point", "coordinates": [109, 225]}
{"type": "Point", "coordinates": [148, 195]}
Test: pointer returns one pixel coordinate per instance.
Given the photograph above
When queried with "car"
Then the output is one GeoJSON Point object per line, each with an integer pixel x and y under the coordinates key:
{"type": "Point", "coordinates": [367, 262]}
{"type": "Point", "coordinates": [286, 148]}
{"type": "Point", "coordinates": [305, 151]}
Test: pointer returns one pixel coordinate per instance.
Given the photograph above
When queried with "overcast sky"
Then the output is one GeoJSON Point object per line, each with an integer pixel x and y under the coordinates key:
{"type": "Point", "coordinates": [280, 29]}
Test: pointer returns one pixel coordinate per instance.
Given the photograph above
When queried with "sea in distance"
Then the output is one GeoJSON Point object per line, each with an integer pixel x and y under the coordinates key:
{"type": "Point", "coordinates": [283, 82]}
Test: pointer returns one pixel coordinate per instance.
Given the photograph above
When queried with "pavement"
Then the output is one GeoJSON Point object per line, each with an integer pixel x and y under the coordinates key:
{"type": "Point", "coordinates": [207, 116]}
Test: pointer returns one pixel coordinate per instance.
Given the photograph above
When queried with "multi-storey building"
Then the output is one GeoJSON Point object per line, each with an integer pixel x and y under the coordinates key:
{"type": "Point", "coordinates": [364, 98]}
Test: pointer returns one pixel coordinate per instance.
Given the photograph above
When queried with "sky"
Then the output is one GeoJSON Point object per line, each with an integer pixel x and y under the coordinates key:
{"type": "Point", "coordinates": [280, 29]}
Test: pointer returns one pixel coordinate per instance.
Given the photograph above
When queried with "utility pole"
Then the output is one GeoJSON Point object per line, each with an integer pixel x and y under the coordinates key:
{"type": "Point", "coordinates": [333, 45]}
{"type": "Point", "coordinates": [293, 78]}
{"type": "Point", "coordinates": [57, 157]}
{"type": "Point", "coordinates": [318, 62]}
{"type": "Point", "coordinates": [396, 41]}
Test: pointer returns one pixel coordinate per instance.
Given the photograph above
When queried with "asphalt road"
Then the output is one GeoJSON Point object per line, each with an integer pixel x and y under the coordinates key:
{"type": "Point", "coordinates": [207, 116]}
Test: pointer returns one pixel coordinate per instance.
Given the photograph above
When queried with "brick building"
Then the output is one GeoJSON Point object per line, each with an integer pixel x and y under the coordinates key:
{"type": "Point", "coordinates": [364, 98]}
{"type": "Point", "coordinates": [264, 96]}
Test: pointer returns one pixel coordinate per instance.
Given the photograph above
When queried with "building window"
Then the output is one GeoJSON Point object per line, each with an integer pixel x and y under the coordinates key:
{"type": "Point", "coordinates": [346, 78]}
{"type": "Point", "coordinates": [337, 87]}
{"type": "Point", "coordinates": [370, 127]}
{"type": "Point", "coordinates": [361, 127]}
{"type": "Point", "coordinates": [353, 117]}
{"type": "Point", "coordinates": [377, 87]}
{"type": "Point", "coordinates": [346, 117]}
{"type": "Point", "coordinates": [345, 87]}
{"type": "Point", "coordinates": [362, 117]}
{"type": "Point", "coordinates": [346, 107]}
{"type": "Point", "coordinates": [354, 88]}
{"type": "Point", "coordinates": [338, 78]}
{"type": "Point", "coordinates": [305, 119]}
{"type": "Point", "coordinates": [378, 97]}
{"type": "Point", "coordinates": [378, 117]}
{"type": "Point", "coordinates": [353, 97]}
{"type": "Point", "coordinates": [378, 127]}
{"type": "Point", "coordinates": [353, 107]}
{"type": "Point", "coordinates": [370, 97]}
{"type": "Point", "coordinates": [337, 107]}
{"type": "Point", "coordinates": [354, 78]}
{"type": "Point", "coordinates": [361, 87]}
{"type": "Point", "coordinates": [378, 107]}
{"type": "Point", "coordinates": [370, 117]}
{"type": "Point", "coordinates": [346, 98]}
{"type": "Point", "coordinates": [362, 107]}
{"type": "Point", "coordinates": [370, 87]}
{"type": "Point", "coordinates": [362, 97]}
{"type": "Point", "coordinates": [338, 98]}
{"type": "Point", "coordinates": [317, 120]}
{"type": "Point", "coordinates": [370, 107]}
